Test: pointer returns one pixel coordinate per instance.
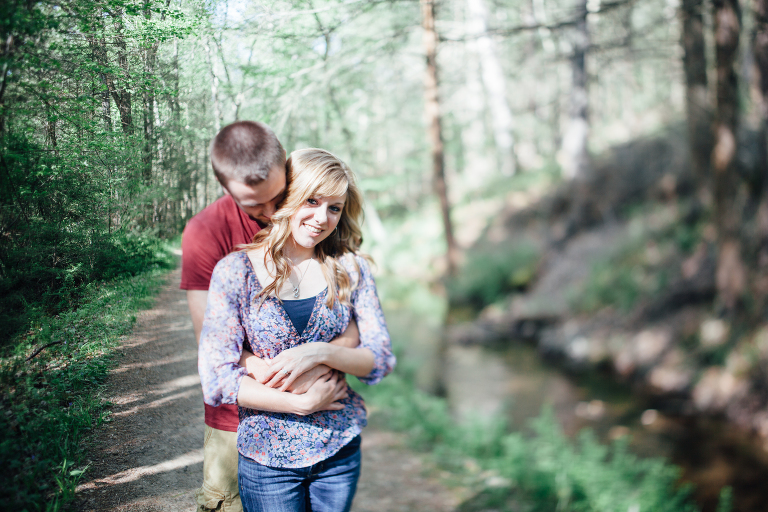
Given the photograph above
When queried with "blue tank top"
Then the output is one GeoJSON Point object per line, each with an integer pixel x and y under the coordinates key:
{"type": "Point", "coordinates": [299, 311]}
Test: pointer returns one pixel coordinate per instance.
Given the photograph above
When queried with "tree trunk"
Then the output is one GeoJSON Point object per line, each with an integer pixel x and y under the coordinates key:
{"type": "Point", "coordinates": [435, 133]}
{"type": "Point", "coordinates": [122, 96]}
{"type": "Point", "coordinates": [217, 117]}
{"type": "Point", "coordinates": [760, 52]}
{"type": "Point", "coordinates": [7, 52]}
{"type": "Point", "coordinates": [731, 275]}
{"type": "Point", "coordinates": [575, 155]}
{"type": "Point", "coordinates": [148, 99]}
{"type": "Point", "coordinates": [495, 85]}
{"type": "Point", "coordinates": [106, 106]}
{"type": "Point", "coordinates": [697, 106]}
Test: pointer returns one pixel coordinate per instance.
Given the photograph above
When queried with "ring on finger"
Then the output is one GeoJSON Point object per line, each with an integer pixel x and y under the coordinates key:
{"type": "Point", "coordinates": [285, 371]}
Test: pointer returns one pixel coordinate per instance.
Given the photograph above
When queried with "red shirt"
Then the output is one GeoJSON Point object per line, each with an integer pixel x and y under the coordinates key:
{"type": "Point", "coordinates": [209, 236]}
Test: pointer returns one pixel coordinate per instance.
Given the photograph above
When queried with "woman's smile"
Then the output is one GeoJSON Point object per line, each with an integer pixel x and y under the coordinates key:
{"type": "Point", "coordinates": [316, 219]}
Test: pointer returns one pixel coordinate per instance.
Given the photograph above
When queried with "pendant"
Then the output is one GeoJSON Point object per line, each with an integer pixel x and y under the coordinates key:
{"type": "Point", "coordinates": [296, 292]}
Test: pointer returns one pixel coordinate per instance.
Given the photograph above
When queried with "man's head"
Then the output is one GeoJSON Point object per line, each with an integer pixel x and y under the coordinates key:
{"type": "Point", "coordinates": [249, 162]}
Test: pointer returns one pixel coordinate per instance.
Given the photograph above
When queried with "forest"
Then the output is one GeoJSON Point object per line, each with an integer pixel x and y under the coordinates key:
{"type": "Point", "coordinates": [584, 180]}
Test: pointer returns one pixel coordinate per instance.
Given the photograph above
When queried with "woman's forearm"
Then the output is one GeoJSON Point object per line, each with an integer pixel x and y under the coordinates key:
{"type": "Point", "coordinates": [355, 361]}
{"type": "Point", "coordinates": [324, 395]}
{"type": "Point", "coordinates": [255, 395]}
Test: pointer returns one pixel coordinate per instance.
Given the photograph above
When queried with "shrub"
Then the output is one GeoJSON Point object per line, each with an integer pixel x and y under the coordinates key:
{"type": "Point", "coordinates": [493, 271]}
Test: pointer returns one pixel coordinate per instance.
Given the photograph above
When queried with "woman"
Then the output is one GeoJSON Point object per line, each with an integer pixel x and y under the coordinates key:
{"type": "Point", "coordinates": [284, 298]}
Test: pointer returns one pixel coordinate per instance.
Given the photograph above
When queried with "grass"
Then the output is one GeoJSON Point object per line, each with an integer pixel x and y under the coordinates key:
{"type": "Point", "coordinates": [541, 470]}
{"type": "Point", "coordinates": [49, 403]}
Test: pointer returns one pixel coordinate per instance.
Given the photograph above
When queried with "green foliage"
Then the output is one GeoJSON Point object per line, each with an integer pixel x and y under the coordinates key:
{"type": "Point", "coordinates": [491, 272]}
{"type": "Point", "coordinates": [83, 196]}
{"type": "Point", "coordinates": [48, 404]}
{"type": "Point", "coordinates": [539, 472]}
{"type": "Point", "coordinates": [609, 284]}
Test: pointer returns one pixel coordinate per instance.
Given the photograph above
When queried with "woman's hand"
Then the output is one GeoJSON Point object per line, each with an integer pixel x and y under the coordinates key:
{"type": "Point", "coordinates": [302, 383]}
{"type": "Point", "coordinates": [323, 395]}
{"type": "Point", "coordinates": [290, 364]}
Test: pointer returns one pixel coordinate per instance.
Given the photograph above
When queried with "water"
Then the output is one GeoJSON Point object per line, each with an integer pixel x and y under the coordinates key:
{"type": "Point", "coordinates": [514, 381]}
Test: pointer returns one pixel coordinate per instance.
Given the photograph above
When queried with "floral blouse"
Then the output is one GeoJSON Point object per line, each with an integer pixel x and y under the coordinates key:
{"type": "Point", "coordinates": [232, 322]}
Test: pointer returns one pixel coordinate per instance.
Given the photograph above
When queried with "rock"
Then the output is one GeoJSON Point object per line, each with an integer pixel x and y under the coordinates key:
{"type": "Point", "coordinates": [717, 389]}
{"type": "Point", "coordinates": [644, 349]}
{"type": "Point", "coordinates": [672, 375]}
{"type": "Point", "coordinates": [713, 333]}
{"type": "Point", "coordinates": [649, 417]}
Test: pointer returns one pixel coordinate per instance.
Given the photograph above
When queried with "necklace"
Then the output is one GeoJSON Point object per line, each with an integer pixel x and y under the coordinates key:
{"type": "Point", "coordinates": [296, 286]}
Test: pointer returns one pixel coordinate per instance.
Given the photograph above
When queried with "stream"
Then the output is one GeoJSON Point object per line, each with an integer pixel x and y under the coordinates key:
{"type": "Point", "coordinates": [512, 379]}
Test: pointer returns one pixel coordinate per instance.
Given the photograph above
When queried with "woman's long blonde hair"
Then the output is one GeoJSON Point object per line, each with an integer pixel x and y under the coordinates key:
{"type": "Point", "coordinates": [316, 172]}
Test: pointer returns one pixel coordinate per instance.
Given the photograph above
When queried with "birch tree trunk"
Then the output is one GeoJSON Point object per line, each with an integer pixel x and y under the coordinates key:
{"type": "Point", "coordinates": [217, 117]}
{"type": "Point", "coordinates": [574, 154]}
{"type": "Point", "coordinates": [495, 85]}
{"type": "Point", "coordinates": [731, 275]}
{"type": "Point", "coordinates": [435, 133]}
{"type": "Point", "coordinates": [696, 102]}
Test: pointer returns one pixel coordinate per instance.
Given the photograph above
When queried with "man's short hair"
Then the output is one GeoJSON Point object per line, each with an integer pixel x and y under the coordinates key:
{"type": "Point", "coordinates": [245, 151]}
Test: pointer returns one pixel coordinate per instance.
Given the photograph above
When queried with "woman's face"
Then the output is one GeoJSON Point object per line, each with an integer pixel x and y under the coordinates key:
{"type": "Point", "coordinates": [316, 219]}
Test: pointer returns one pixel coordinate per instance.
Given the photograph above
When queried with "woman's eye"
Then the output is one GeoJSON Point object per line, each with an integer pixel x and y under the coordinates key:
{"type": "Point", "coordinates": [312, 201]}
{"type": "Point", "coordinates": [335, 209]}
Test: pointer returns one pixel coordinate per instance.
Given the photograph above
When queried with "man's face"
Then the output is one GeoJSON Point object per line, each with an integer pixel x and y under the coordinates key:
{"type": "Point", "coordinates": [259, 201]}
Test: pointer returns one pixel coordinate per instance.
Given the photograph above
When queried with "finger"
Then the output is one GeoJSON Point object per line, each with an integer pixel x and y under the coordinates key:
{"type": "Point", "coordinates": [289, 379]}
{"type": "Point", "coordinates": [278, 377]}
{"type": "Point", "coordinates": [335, 406]}
{"type": "Point", "coordinates": [270, 372]}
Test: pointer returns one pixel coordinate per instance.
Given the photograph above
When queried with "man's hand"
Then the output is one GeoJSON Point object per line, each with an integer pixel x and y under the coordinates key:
{"type": "Point", "coordinates": [307, 379]}
{"type": "Point", "coordinates": [324, 395]}
{"type": "Point", "coordinates": [294, 363]}
{"type": "Point", "coordinates": [257, 368]}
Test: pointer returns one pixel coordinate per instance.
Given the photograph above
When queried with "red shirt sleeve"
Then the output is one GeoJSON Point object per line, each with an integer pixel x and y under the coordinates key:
{"type": "Point", "coordinates": [199, 255]}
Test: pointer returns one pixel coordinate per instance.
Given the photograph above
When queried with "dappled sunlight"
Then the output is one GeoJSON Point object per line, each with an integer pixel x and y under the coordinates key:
{"type": "Point", "coordinates": [173, 359]}
{"type": "Point", "coordinates": [159, 402]}
{"type": "Point", "coordinates": [133, 474]}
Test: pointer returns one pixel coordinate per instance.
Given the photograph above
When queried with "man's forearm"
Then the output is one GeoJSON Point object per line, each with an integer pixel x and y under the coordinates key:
{"type": "Point", "coordinates": [350, 338]}
{"type": "Point", "coordinates": [196, 301]}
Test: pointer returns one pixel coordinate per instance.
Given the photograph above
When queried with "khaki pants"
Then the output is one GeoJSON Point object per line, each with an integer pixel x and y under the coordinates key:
{"type": "Point", "coordinates": [219, 491]}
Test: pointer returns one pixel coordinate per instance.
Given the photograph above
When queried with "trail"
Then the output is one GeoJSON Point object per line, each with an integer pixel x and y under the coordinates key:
{"type": "Point", "coordinates": [149, 457]}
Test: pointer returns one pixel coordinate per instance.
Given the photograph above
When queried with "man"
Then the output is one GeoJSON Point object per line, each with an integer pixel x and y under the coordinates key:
{"type": "Point", "coordinates": [249, 163]}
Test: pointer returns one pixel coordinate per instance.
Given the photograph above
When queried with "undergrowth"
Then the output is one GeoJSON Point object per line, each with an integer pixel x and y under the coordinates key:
{"type": "Point", "coordinates": [48, 403]}
{"type": "Point", "coordinates": [492, 272]}
{"type": "Point", "coordinates": [539, 471]}
{"type": "Point", "coordinates": [641, 270]}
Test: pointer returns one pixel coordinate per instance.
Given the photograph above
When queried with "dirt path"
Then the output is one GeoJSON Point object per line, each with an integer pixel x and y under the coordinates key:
{"type": "Point", "coordinates": [150, 456]}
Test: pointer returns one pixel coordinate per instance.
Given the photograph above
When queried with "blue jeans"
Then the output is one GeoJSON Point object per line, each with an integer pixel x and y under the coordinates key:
{"type": "Point", "coordinates": [327, 486]}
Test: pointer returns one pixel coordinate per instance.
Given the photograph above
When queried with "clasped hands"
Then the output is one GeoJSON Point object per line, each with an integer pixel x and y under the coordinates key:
{"type": "Point", "coordinates": [301, 371]}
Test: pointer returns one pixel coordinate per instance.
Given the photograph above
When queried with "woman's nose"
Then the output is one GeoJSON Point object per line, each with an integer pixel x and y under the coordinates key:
{"type": "Point", "coordinates": [321, 214]}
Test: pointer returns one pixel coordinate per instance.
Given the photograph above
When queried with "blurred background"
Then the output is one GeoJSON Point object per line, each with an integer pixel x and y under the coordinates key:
{"type": "Point", "coordinates": [566, 200]}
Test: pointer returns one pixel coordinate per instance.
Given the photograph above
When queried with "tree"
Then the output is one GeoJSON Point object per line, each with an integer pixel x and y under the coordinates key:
{"type": "Point", "coordinates": [435, 131]}
{"type": "Point", "coordinates": [575, 151]}
{"type": "Point", "coordinates": [696, 101]}
{"type": "Point", "coordinates": [731, 274]}
{"type": "Point", "coordinates": [495, 84]}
